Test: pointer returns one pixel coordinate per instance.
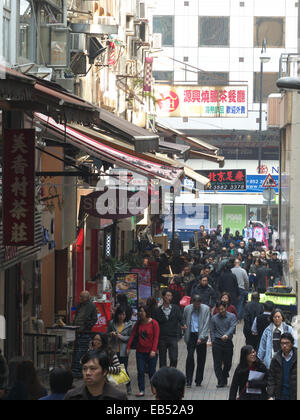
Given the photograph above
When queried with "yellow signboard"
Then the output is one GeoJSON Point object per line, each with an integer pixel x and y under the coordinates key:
{"type": "Point", "coordinates": [277, 300]}
{"type": "Point", "coordinates": [201, 101]}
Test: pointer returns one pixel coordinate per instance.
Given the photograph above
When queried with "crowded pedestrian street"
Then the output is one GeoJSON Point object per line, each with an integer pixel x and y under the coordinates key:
{"type": "Point", "coordinates": [149, 202]}
{"type": "Point", "coordinates": [208, 390]}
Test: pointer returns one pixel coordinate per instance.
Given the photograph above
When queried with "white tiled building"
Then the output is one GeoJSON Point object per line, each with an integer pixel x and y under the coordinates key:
{"type": "Point", "coordinates": [224, 36]}
{"type": "Point", "coordinates": [214, 42]}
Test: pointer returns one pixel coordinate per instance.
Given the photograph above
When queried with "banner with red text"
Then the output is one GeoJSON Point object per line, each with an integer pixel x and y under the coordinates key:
{"type": "Point", "coordinates": [201, 101]}
{"type": "Point", "coordinates": [18, 187]}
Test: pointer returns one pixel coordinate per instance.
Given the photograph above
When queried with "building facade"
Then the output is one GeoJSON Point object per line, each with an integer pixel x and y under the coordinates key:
{"type": "Point", "coordinates": [218, 44]}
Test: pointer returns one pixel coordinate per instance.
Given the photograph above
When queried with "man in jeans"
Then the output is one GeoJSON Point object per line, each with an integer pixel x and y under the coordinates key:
{"type": "Point", "coordinates": [169, 319]}
{"type": "Point", "coordinates": [196, 319]}
{"type": "Point", "coordinates": [222, 328]}
{"type": "Point", "coordinates": [243, 283]}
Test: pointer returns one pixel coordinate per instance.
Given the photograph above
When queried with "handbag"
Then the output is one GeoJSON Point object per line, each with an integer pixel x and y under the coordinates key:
{"type": "Point", "coordinates": [185, 301]}
{"type": "Point", "coordinates": [118, 379]}
{"type": "Point", "coordinates": [135, 338]}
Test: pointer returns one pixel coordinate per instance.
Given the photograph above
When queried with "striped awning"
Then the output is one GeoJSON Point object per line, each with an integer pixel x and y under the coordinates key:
{"type": "Point", "coordinates": [141, 164]}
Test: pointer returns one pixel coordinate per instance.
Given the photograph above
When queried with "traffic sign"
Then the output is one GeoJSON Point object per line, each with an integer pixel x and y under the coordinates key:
{"type": "Point", "coordinates": [270, 182]}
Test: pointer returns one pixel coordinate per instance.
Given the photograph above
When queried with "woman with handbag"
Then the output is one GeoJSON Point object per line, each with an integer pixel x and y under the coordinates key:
{"type": "Point", "coordinates": [119, 332]}
{"type": "Point", "coordinates": [100, 343]}
{"type": "Point", "coordinates": [144, 337]}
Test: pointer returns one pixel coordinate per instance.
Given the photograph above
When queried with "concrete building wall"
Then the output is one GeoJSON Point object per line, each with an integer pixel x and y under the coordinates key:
{"type": "Point", "coordinates": [291, 174]}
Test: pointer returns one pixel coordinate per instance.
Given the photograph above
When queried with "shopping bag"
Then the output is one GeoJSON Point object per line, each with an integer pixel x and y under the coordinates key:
{"type": "Point", "coordinates": [185, 301]}
{"type": "Point", "coordinates": [121, 378]}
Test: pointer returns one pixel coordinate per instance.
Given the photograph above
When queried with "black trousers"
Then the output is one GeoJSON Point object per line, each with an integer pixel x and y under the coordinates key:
{"type": "Point", "coordinates": [201, 351]}
{"type": "Point", "coordinates": [251, 340]}
{"type": "Point", "coordinates": [222, 355]}
{"type": "Point", "coordinates": [165, 345]}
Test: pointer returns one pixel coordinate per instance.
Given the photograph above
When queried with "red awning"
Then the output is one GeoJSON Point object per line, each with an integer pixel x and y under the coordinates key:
{"type": "Point", "coordinates": [95, 148]}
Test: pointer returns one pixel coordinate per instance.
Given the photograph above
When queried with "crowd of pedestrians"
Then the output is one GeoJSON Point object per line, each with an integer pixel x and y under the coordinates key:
{"type": "Point", "coordinates": [200, 296]}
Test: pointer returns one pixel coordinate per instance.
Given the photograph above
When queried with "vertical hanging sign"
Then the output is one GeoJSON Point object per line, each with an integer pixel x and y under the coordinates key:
{"type": "Point", "coordinates": [148, 74]}
{"type": "Point", "coordinates": [18, 187]}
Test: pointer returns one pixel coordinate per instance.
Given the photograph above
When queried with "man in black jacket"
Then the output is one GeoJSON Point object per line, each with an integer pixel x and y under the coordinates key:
{"type": "Point", "coordinates": [86, 313]}
{"type": "Point", "coordinates": [85, 318]}
{"type": "Point", "coordinates": [261, 322]}
{"type": "Point", "coordinates": [252, 310]}
{"type": "Point", "coordinates": [206, 292]}
{"type": "Point", "coordinates": [263, 278]}
{"type": "Point", "coordinates": [276, 268]}
{"type": "Point", "coordinates": [228, 283]}
{"type": "Point", "coordinates": [95, 386]}
{"type": "Point", "coordinates": [282, 379]}
{"type": "Point", "coordinates": [169, 318]}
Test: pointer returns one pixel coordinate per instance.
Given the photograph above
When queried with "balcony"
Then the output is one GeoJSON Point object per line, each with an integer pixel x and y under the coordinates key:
{"type": "Point", "coordinates": [289, 65]}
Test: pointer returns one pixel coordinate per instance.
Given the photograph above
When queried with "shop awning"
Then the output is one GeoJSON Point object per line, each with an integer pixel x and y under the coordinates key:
{"type": "Point", "coordinates": [188, 172]}
{"type": "Point", "coordinates": [27, 93]}
{"type": "Point", "coordinates": [173, 148]}
{"type": "Point", "coordinates": [141, 164]}
{"type": "Point", "coordinates": [164, 147]}
{"type": "Point", "coordinates": [209, 151]}
{"type": "Point", "coordinates": [142, 139]}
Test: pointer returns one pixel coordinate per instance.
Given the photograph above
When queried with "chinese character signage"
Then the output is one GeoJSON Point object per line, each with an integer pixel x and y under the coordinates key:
{"type": "Point", "coordinates": [18, 187]}
{"type": "Point", "coordinates": [200, 101]}
{"type": "Point", "coordinates": [226, 180]}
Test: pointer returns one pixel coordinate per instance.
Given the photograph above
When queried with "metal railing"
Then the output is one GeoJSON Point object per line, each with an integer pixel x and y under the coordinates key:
{"type": "Point", "coordinates": [289, 65]}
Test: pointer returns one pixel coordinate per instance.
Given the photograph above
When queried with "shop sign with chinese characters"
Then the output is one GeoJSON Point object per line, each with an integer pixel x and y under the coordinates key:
{"type": "Point", "coordinates": [226, 180]}
{"type": "Point", "coordinates": [201, 101]}
{"type": "Point", "coordinates": [18, 187]}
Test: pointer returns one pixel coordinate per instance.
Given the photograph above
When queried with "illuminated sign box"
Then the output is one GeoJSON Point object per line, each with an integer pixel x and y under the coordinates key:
{"type": "Point", "coordinates": [201, 101]}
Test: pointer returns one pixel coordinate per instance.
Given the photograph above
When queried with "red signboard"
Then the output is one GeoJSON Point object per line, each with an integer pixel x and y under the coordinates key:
{"type": "Point", "coordinates": [18, 187]}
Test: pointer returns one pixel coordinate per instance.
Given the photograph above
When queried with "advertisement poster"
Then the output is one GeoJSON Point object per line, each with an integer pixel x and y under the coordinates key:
{"type": "Point", "coordinates": [144, 284]}
{"type": "Point", "coordinates": [127, 284]}
{"type": "Point", "coordinates": [189, 217]}
{"type": "Point", "coordinates": [201, 101]}
{"type": "Point", "coordinates": [234, 217]}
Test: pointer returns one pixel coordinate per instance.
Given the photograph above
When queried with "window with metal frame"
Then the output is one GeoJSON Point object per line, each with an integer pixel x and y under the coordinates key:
{"type": "Point", "coordinates": [165, 26]}
{"type": "Point", "coordinates": [216, 78]}
{"type": "Point", "coordinates": [214, 31]}
{"type": "Point", "coordinates": [270, 28]}
{"type": "Point", "coordinates": [269, 86]}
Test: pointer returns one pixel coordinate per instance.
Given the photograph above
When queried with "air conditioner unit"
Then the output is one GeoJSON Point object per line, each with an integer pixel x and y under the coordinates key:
{"type": "Point", "coordinates": [78, 42]}
{"type": "Point", "coordinates": [157, 41]}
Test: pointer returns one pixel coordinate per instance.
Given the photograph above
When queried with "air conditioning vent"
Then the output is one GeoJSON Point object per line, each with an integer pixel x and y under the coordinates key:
{"type": "Point", "coordinates": [78, 42]}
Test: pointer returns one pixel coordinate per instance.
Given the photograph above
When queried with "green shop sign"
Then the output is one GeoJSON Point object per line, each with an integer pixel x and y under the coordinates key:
{"type": "Point", "coordinates": [234, 217]}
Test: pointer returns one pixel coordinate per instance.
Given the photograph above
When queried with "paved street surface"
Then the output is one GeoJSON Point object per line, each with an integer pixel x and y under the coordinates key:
{"type": "Point", "coordinates": [208, 390]}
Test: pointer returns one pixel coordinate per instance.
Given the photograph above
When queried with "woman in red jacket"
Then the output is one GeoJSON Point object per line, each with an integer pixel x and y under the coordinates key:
{"type": "Point", "coordinates": [146, 331]}
{"type": "Point", "coordinates": [225, 297]}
